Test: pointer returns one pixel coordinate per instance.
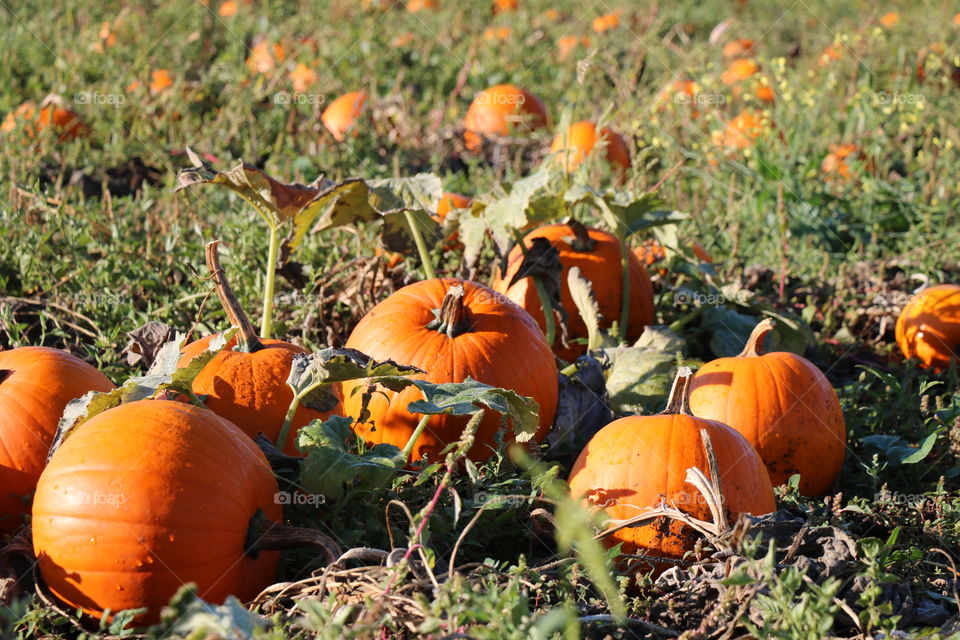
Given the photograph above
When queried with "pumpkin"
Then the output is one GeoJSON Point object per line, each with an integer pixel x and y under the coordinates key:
{"type": "Point", "coordinates": [53, 112]}
{"type": "Point", "coordinates": [503, 6]}
{"type": "Point", "coordinates": [36, 383]}
{"type": "Point", "coordinates": [342, 114]}
{"type": "Point", "coordinates": [743, 131]}
{"type": "Point", "coordinates": [303, 77]}
{"type": "Point", "coordinates": [574, 145]}
{"type": "Point", "coordinates": [500, 110]}
{"type": "Point", "coordinates": [147, 496]}
{"type": "Point", "coordinates": [413, 6]}
{"type": "Point", "coordinates": [246, 382]}
{"type": "Point", "coordinates": [739, 70]}
{"type": "Point", "coordinates": [636, 462]}
{"type": "Point", "coordinates": [929, 326]}
{"type": "Point", "coordinates": [606, 22]}
{"type": "Point", "coordinates": [160, 79]}
{"type": "Point", "coordinates": [450, 201]}
{"type": "Point", "coordinates": [597, 254]}
{"type": "Point", "coordinates": [783, 405]}
{"type": "Point", "coordinates": [497, 34]}
{"type": "Point", "coordinates": [764, 93]}
{"type": "Point", "coordinates": [739, 48]}
{"type": "Point", "coordinates": [566, 44]}
{"type": "Point", "coordinates": [265, 56]}
{"type": "Point", "coordinates": [890, 20]}
{"type": "Point", "coordinates": [835, 166]}
{"type": "Point", "coordinates": [452, 329]}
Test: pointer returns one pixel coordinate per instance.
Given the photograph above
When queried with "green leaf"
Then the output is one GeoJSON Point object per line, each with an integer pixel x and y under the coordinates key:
{"type": "Point", "coordinates": [187, 616]}
{"type": "Point", "coordinates": [729, 330]}
{"type": "Point", "coordinates": [332, 464]}
{"type": "Point", "coordinates": [639, 378]}
{"type": "Point", "coordinates": [582, 293]}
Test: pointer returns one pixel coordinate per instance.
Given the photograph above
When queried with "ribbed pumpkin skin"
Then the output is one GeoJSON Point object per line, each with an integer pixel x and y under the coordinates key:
{"type": "Point", "coordinates": [39, 384]}
{"type": "Point", "coordinates": [573, 147]}
{"type": "Point", "coordinates": [601, 267]}
{"type": "Point", "coordinates": [340, 116]}
{"type": "Point", "coordinates": [504, 349]}
{"type": "Point", "coordinates": [929, 326]}
{"type": "Point", "coordinates": [148, 496]}
{"type": "Point", "coordinates": [784, 406]}
{"type": "Point", "coordinates": [250, 389]}
{"type": "Point", "coordinates": [501, 109]}
{"type": "Point", "coordinates": [634, 461]}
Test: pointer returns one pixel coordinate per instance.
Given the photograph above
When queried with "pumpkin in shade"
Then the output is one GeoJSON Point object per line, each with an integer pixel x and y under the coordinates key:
{"type": "Point", "coordinates": [597, 254]}
{"type": "Point", "coordinates": [929, 326]}
{"type": "Point", "coordinates": [36, 383]}
{"type": "Point", "coordinates": [342, 114]}
{"type": "Point", "coordinates": [146, 497]}
{"type": "Point", "coordinates": [447, 202]}
{"type": "Point", "coordinates": [246, 382]}
{"type": "Point", "coordinates": [636, 462]}
{"type": "Point", "coordinates": [452, 329]}
{"type": "Point", "coordinates": [783, 405]}
{"type": "Point", "coordinates": [573, 146]}
{"type": "Point", "coordinates": [500, 110]}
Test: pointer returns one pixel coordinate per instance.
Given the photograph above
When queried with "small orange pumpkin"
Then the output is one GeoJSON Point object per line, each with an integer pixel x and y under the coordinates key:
{"type": "Point", "coordinates": [597, 254]}
{"type": "Point", "coordinates": [342, 114]}
{"type": "Point", "coordinates": [566, 45]}
{"type": "Point", "coordinates": [634, 463]}
{"type": "Point", "coordinates": [453, 329]}
{"type": "Point", "coordinates": [743, 131]}
{"type": "Point", "coordinates": [503, 6]}
{"type": "Point", "coordinates": [929, 326]}
{"type": "Point", "coordinates": [36, 383]}
{"type": "Point", "coordinates": [740, 70]}
{"type": "Point", "coordinates": [246, 382]}
{"type": "Point", "coordinates": [606, 22]}
{"type": "Point", "coordinates": [573, 147]}
{"type": "Point", "coordinates": [146, 497]}
{"type": "Point", "coordinates": [500, 110]}
{"type": "Point", "coordinates": [739, 48]}
{"type": "Point", "coordinates": [783, 405]}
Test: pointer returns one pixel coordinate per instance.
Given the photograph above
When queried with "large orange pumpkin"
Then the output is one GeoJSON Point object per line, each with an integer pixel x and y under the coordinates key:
{"type": "Point", "coordinates": [246, 382]}
{"type": "Point", "coordinates": [342, 114]}
{"type": "Point", "coordinates": [783, 405]}
{"type": "Point", "coordinates": [635, 462]}
{"type": "Point", "coordinates": [929, 326]}
{"type": "Point", "coordinates": [452, 335]}
{"type": "Point", "coordinates": [146, 497]}
{"type": "Point", "coordinates": [500, 110]}
{"type": "Point", "coordinates": [597, 253]}
{"type": "Point", "coordinates": [36, 383]}
{"type": "Point", "coordinates": [54, 112]}
{"type": "Point", "coordinates": [573, 146]}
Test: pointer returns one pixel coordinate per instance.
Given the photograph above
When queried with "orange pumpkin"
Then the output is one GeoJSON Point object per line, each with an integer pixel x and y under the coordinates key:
{"type": "Point", "coordinates": [160, 79]}
{"type": "Point", "coordinates": [146, 497]}
{"type": "Point", "coordinates": [500, 110]}
{"type": "Point", "coordinates": [634, 463]}
{"type": "Point", "coordinates": [739, 70]}
{"type": "Point", "coordinates": [566, 44]}
{"type": "Point", "coordinates": [52, 113]}
{"type": "Point", "coordinates": [36, 383]}
{"type": "Point", "coordinates": [503, 6]}
{"type": "Point", "coordinates": [450, 201]}
{"type": "Point", "coordinates": [597, 254]}
{"type": "Point", "coordinates": [743, 131]}
{"type": "Point", "coordinates": [606, 22]}
{"type": "Point", "coordinates": [497, 34]}
{"type": "Point", "coordinates": [783, 405]}
{"type": "Point", "coordinates": [246, 382]}
{"type": "Point", "coordinates": [834, 165]}
{"type": "Point", "coordinates": [265, 56]}
{"type": "Point", "coordinates": [929, 326]}
{"type": "Point", "coordinates": [303, 77]}
{"type": "Point", "coordinates": [452, 334]}
{"type": "Point", "coordinates": [414, 6]}
{"type": "Point", "coordinates": [890, 20]}
{"type": "Point", "coordinates": [573, 147]}
{"type": "Point", "coordinates": [342, 114]}
{"type": "Point", "coordinates": [739, 48]}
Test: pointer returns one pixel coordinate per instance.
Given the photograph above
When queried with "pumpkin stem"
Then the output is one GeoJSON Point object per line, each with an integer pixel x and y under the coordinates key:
{"type": "Point", "coordinates": [679, 401]}
{"type": "Point", "coordinates": [248, 341]}
{"type": "Point", "coordinates": [755, 341]}
{"type": "Point", "coordinates": [583, 243]}
{"type": "Point", "coordinates": [264, 534]}
{"type": "Point", "coordinates": [451, 318]}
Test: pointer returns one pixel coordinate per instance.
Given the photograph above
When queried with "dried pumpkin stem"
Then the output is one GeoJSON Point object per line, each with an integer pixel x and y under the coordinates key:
{"type": "Point", "coordinates": [451, 318]}
{"type": "Point", "coordinates": [679, 401]}
{"type": "Point", "coordinates": [582, 242]}
{"type": "Point", "coordinates": [248, 341]}
{"type": "Point", "coordinates": [549, 326]}
{"type": "Point", "coordinates": [264, 534]}
{"type": "Point", "coordinates": [755, 341]}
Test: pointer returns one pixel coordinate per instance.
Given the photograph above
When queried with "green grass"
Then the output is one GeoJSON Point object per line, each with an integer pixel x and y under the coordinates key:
{"type": "Point", "coordinates": [79, 273]}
